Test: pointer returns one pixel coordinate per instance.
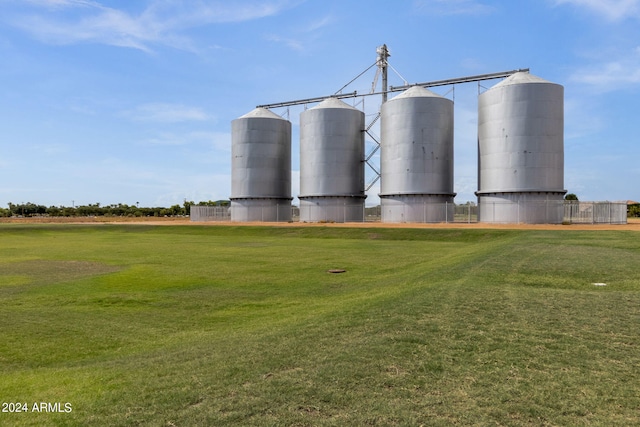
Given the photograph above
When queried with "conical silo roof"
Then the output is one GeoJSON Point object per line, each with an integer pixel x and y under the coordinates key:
{"type": "Point", "coordinates": [333, 103]}
{"type": "Point", "coordinates": [521, 78]}
{"type": "Point", "coordinates": [416, 92]}
{"type": "Point", "coordinates": [261, 113]}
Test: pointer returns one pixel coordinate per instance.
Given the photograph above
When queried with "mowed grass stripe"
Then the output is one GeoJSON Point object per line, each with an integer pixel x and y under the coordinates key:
{"type": "Point", "coordinates": [244, 326]}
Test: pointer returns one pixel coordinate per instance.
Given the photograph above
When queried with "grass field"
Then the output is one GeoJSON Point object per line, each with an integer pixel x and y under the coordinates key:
{"type": "Point", "coordinates": [214, 326]}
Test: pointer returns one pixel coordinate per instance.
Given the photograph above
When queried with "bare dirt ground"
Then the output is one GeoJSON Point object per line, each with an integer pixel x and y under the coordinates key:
{"type": "Point", "coordinates": [633, 224]}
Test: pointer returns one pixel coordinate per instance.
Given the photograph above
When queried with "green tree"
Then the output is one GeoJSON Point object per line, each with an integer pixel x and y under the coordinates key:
{"type": "Point", "coordinates": [571, 197]}
{"type": "Point", "coordinates": [187, 208]}
{"type": "Point", "coordinates": [54, 211]}
{"type": "Point", "coordinates": [27, 209]}
{"type": "Point", "coordinates": [633, 210]}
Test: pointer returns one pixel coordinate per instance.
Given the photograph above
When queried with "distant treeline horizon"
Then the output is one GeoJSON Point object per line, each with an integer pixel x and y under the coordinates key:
{"type": "Point", "coordinates": [30, 209]}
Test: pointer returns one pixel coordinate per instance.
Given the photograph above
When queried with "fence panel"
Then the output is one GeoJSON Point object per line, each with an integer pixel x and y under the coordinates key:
{"type": "Point", "coordinates": [209, 213]}
{"type": "Point", "coordinates": [595, 212]}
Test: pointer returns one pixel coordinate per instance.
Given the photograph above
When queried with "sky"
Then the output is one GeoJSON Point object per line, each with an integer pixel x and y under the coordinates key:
{"type": "Point", "coordinates": [131, 102]}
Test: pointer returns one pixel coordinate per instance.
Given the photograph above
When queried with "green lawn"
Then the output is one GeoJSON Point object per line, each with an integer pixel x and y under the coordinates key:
{"type": "Point", "coordinates": [242, 326]}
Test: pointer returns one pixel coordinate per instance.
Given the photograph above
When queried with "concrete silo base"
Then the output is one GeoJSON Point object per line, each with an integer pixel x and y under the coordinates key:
{"type": "Point", "coordinates": [419, 208]}
{"type": "Point", "coordinates": [521, 207]}
{"type": "Point", "coordinates": [332, 208]}
{"type": "Point", "coordinates": [261, 209]}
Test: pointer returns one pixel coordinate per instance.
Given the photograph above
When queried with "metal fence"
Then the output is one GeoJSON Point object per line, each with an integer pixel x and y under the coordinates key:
{"type": "Point", "coordinates": [595, 212]}
{"type": "Point", "coordinates": [572, 212]}
{"type": "Point", "coordinates": [553, 212]}
{"type": "Point", "coordinates": [327, 210]}
{"type": "Point", "coordinates": [461, 213]}
{"type": "Point", "coordinates": [209, 213]}
{"type": "Point", "coordinates": [506, 211]}
{"type": "Point", "coordinates": [428, 212]}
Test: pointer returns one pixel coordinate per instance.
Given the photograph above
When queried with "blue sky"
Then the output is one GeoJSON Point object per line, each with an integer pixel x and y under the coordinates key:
{"type": "Point", "coordinates": [131, 101]}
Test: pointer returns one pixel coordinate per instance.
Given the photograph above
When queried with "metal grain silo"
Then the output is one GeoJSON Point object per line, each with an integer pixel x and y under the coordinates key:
{"type": "Point", "coordinates": [416, 157]}
{"type": "Point", "coordinates": [332, 163]}
{"type": "Point", "coordinates": [521, 151]}
{"type": "Point", "coordinates": [260, 167]}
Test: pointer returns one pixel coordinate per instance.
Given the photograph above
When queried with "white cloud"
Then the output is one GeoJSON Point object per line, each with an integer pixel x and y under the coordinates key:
{"type": "Point", "coordinates": [196, 187]}
{"type": "Point", "coordinates": [220, 141]}
{"type": "Point", "coordinates": [62, 3]}
{"type": "Point", "coordinates": [582, 119]}
{"type": "Point", "coordinates": [319, 24]}
{"type": "Point", "coordinates": [166, 113]}
{"type": "Point", "coordinates": [291, 43]}
{"type": "Point", "coordinates": [181, 14]}
{"type": "Point", "coordinates": [109, 26]}
{"type": "Point", "coordinates": [303, 35]}
{"type": "Point", "coordinates": [452, 7]}
{"type": "Point", "coordinates": [85, 21]}
{"type": "Point", "coordinates": [611, 10]}
{"type": "Point", "coordinates": [51, 149]}
{"type": "Point", "coordinates": [611, 75]}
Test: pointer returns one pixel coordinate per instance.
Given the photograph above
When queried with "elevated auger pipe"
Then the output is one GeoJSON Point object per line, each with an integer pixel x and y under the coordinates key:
{"type": "Point", "coordinates": [355, 94]}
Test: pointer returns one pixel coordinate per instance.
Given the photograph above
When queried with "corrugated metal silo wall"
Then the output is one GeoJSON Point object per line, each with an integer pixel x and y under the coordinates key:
{"type": "Point", "coordinates": [416, 159]}
{"type": "Point", "coordinates": [260, 167]}
{"type": "Point", "coordinates": [332, 163]}
{"type": "Point", "coordinates": [521, 151]}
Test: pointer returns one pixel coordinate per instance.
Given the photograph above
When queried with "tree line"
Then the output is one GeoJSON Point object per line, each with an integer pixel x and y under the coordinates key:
{"type": "Point", "coordinates": [120, 209]}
